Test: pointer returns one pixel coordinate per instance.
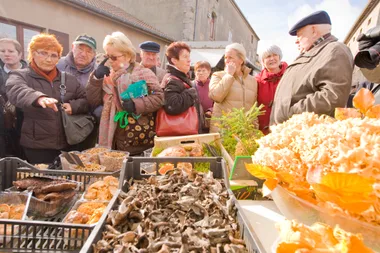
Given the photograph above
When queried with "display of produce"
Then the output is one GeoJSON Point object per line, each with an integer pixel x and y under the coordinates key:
{"type": "Point", "coordinates": [50, 195]}
{"type": "Point", "coordinates": [94, 153]}
{"type": "Point", "coordinates": [86, 213]}
{"type": "Point", "coordinates": [12, 211]}
{"type": "Point", "coordinates": [85, 158]}
{"type": "Point", "coordinates": [112, 160]}
{"type": "Point", "coordinates": [87, 167]}
{"type": "Point", "coordinates": [176, 212]}
{"type": "Point", "coordinates": [102, 190]}
{"type": "Point", "coordinates": [13, 205]}
{"type": "Point", "coordinates": [186, 150]}
{"type": "Point", "coordinates": [329, 162]}
{"type": "Point", "coordinates": [332, 164]}
{"type": "Point", "coordinates": [239, 130]}
{"type": "Point", "coordinates": [44, 185]}
{"type": "Point", "coordinates": [297, 237]}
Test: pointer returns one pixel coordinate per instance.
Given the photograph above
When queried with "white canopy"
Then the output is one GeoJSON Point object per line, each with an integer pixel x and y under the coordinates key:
{"type": "Point", "coordinates": [213, 56]}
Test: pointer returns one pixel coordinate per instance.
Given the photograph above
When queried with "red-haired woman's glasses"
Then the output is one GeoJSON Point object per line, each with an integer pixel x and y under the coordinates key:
{"type": "Point", "coordinates": [46, 55]}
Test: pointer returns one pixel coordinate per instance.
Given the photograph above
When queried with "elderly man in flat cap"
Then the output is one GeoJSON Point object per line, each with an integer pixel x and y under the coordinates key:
{"type": "Point", "coordinates": [149, 51]}
{"type": "Point", "coordinates": [319, 80]}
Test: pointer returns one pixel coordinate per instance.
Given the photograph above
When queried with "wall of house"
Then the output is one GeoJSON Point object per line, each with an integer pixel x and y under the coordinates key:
{"type": "Point", "coordinates": [373, 19]}
{"type": "Point", "coordinates": [71, 20]}
{"type": "Point", "coordinates": [165, 15]}
{"type": "Point", "coordinates": [190, 20]}
{"type": "Point", "coordinates": [229, 25]}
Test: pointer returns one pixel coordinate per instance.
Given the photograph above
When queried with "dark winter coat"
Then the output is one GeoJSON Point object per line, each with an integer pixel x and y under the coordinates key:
{"type": "Point", "coordinates": [42, 127]}
{"type": "Point", "coordinates": [178, 97]}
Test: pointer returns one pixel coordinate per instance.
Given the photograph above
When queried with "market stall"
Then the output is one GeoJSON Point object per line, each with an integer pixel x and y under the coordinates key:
{"type": "Point", "coordinates": [186, 195]}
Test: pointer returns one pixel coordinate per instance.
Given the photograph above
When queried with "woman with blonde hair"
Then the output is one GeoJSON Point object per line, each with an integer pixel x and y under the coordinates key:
{"type": "Point", "coordinates": [233, 87]}
{"type": "Point", "coordinates": [36, 90]}
{"type": "Point", "coordinates": [125, 124]}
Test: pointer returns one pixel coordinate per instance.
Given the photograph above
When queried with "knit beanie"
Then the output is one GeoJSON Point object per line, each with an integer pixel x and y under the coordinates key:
{"type": "Point", "coordinates": [271, 50]}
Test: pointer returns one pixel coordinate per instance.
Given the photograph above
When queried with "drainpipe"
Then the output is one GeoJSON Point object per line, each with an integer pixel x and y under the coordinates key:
{"type": "Point", "coordinates": [195, 19]}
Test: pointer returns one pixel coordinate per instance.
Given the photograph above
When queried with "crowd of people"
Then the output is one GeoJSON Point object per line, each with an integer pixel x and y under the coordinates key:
{"type": "Point", "coordinates": [32, 102]}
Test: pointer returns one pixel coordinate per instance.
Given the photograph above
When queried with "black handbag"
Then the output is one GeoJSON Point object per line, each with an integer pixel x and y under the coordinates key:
{"type": "Point", "coordinates": [77, 127]}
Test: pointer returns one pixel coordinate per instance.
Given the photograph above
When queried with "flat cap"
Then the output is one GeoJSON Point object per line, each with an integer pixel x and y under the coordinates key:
{"type": "Point", "coordinates": [316, 18]}
{"type": "Point", "coordinates": [150, 46]}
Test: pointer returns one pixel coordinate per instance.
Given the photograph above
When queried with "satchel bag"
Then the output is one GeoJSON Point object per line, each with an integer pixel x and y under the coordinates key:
{"type": "Point", "coordinates": [185, 123]}
{"type": "Point", "coordinates": [77, 127]}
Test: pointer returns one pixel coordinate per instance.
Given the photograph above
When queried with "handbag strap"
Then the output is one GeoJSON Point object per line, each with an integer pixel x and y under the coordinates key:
{"type": "Point", "coordinates": [62, 86]}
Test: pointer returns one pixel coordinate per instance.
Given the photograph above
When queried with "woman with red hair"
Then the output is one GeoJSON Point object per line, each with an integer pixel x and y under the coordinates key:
{"type": "Point", "coordinates": [36, 90]}
{"type": "Point", "coordinates": [179, 93]}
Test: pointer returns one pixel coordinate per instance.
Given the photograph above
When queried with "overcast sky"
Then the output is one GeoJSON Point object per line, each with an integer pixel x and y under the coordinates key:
{"type": "Point", "coordinates": [271, 19]}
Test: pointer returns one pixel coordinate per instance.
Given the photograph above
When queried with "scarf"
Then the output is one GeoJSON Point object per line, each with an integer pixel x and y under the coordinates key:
{"type": "Point", "coordinates": [113, 86]}
{"type": "Point", "coordinates": [48, 76]}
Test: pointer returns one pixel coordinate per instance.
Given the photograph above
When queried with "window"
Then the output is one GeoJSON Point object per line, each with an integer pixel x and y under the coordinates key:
{"type": "Point", "coordinates": [64, 39]}
{"type": "Point", "coordinates": [369, 21]}
{"type": "Point", "coordinates": [212, 26]}
{"type": "Point", "coordinates": [28, 34]}
{"type": "Point", "coordinates": [252, 39]}
{"type": "Point", "coordinates": [21, 32]}
{"type": "Point", "coordinates": [8, 31]}
{"type": "Point", "coordinates": [361, 30]}
{"type": "Point", "coordinates": [353, 39]}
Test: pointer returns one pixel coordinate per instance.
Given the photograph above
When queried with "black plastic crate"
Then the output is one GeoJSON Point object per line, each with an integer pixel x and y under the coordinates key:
{"type": "Point", "coordinates": [217, 166]}
{"type": "Point", "coordinates": [49, 235]}
{"type": "Point", "coordinates": [13, 168]}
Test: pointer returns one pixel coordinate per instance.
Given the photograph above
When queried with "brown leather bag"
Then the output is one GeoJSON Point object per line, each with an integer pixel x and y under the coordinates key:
{"type": "Point", "coordinates": [185, 123]}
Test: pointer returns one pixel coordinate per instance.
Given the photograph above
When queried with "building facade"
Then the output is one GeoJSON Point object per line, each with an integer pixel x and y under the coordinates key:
{"type": "Point", "coordinates": [22, 19]}
{"type": "Point", "coordinates": [196, 20]}
{"type": "Point", "coordinates": [370, 17]}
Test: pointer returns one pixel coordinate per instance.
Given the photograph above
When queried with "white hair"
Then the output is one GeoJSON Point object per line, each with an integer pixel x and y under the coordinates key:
{"type": "Point", "coordinates": [239, 48]}
{"type": "Point", "coordinates": [273, 49]}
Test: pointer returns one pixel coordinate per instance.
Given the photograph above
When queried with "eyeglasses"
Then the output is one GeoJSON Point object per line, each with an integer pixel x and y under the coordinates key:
{"type": "Point", "coordinates": [112, 57]}
{"type": "Point", "coordinates": [46, 55]}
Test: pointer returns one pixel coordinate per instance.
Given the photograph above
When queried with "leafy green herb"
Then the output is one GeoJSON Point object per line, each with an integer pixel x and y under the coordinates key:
{"type": "Point", "coordinates": [240, 124]}
{"type": "Point", "coordinates": [156, 151]}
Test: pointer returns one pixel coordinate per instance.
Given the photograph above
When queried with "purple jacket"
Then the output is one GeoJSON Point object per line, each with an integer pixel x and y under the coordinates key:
{"type": "Point", "coordinates": [206, 102]}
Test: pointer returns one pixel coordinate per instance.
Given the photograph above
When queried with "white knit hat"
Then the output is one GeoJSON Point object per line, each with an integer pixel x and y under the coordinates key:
{"type": "Point", "coordinates": [271, 50]}
{"type": "Point", "coordinates": [238, 47]}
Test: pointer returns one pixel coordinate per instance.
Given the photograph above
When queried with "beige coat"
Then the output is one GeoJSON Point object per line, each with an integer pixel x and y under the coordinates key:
{"type": "Point", "coordinates": [229, 92]}
{"type": "Point", "coordinates": [317, 81]}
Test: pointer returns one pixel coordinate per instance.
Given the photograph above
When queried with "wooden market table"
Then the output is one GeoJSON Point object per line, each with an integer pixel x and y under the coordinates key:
{"type": "Point", "coordinates": [263, 215]}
